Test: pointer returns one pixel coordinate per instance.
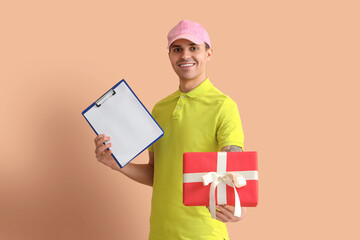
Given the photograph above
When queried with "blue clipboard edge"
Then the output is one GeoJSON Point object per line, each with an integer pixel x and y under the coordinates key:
{"type": "Point", "coordinates": [93, 104]}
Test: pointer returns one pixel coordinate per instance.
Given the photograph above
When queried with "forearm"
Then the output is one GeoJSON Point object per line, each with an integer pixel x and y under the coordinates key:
{"type": "Point", "coordinates": [231, 148]}
{"type": "Point", "coordinates": [142, 173]}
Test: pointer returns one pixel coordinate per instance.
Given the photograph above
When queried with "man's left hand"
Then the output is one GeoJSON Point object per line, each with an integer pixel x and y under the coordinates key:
{"type": "Point", "coordinates": [225, 213]}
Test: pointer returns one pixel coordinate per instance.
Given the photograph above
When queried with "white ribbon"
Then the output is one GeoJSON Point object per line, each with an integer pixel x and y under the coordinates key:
{"type": "Point", "coordinates": [219, 180]}
{"type": "Point", "coordinates": [232, 179]}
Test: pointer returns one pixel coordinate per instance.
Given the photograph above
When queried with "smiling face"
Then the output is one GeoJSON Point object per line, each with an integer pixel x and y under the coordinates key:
{"type": "Point", "coordinates": [189, 59]}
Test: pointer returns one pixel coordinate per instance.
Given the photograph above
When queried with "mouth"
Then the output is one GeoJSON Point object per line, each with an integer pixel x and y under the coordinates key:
{"type": "Point", "coordinates": [186, 65]}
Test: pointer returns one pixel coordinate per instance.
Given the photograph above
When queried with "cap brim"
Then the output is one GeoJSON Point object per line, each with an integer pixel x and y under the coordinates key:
{"type": "Point", "coordinates": [187, 37]}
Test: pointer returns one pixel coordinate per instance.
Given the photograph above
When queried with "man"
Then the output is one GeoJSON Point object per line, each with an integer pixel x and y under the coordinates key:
{"type": "Point", "coordinates": [195, 118]}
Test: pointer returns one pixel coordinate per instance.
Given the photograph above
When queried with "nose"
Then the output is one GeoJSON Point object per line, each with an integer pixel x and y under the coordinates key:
{"type": "Point", "coordinates": [185, 54]}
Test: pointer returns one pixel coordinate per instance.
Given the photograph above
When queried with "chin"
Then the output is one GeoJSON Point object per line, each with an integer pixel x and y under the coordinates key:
{"type": "Point", "coordinates": [186, 77]}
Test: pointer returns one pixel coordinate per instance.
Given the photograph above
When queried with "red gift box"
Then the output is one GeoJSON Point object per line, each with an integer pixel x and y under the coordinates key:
{"type": "Point", "coordinates": [197, 164]}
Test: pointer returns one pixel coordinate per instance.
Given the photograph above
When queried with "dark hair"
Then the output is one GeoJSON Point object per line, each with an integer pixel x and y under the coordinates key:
{"type": "Point", "coordinates": [207, 46]}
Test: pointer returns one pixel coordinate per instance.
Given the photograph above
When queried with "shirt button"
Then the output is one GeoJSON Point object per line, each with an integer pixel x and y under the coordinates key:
{"type": "Point", "coordinates": [183, 96]}
{"type": "Point", "coordinates": [179, 107]}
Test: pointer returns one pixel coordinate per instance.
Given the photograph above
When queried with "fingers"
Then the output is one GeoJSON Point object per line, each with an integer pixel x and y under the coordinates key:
{"type": "Point", "coordinates": [107, 153]}
{"type": "Point", "coordinates": [230, 210]}
{"type": "Point", "coordinates": [100, 139]}
{"type": "Point", "coordinates": [225, 213]}
{"type": "Point", "coordinates": [101, 149]}
{"type": "Point", "coordinates": [105, 157]}
{"type": "Point", "coordinates": [104, 147]}
{"type": "Point", "coordinates": [227, 209]}
{"type": "Point", "coordinates": [221, 216]}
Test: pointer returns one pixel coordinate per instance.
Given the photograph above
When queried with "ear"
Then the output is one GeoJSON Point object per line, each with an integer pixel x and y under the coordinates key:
{"type": "Point", "coordinates": [209, 53]}
{"type": "Point", "coordinates": [169, 54]}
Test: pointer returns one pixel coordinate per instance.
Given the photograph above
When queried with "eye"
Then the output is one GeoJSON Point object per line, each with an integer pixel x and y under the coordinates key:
{"type": "Point", "coordinates": [176, 49]}
{"type": "Point", "coordinates": [194, 48]}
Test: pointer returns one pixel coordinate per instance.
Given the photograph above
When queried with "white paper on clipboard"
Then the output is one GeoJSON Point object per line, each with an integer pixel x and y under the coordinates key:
{"type": "Point", "coordinates": [121, 115]}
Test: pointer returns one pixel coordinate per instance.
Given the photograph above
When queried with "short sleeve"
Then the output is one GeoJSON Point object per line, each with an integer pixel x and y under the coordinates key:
{"type": "Point", "coordinates": [229, 130]}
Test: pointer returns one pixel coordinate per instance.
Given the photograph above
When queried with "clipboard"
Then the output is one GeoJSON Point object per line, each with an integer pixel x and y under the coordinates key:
{"type": "Point", "coordinates": [119, 113]}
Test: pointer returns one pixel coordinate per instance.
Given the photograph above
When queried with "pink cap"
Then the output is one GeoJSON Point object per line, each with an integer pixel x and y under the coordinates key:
{"type": "Point", "coordinates": [189, 30]}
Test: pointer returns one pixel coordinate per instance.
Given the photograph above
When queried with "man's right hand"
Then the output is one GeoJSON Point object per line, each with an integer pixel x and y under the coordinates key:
{"type": "Point", "coordinates": [103, 155]}
{"type": "Point", "coordinates": [142, 173]}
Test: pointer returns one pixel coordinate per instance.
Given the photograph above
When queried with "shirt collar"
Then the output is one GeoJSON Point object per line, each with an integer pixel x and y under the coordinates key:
{"type": "Point", "coordinates": [199, 90]}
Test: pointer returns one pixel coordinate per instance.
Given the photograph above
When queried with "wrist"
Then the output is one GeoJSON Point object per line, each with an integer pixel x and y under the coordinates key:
{"type": "Point", "coordinates": [116, 167]}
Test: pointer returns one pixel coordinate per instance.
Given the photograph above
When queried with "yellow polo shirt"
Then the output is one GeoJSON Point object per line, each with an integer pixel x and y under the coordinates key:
{"type": "Point", "coordinates": [202, 120]}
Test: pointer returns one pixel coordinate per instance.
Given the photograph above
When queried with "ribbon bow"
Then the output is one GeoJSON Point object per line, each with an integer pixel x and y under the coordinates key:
{"type": "Point", "coordinates": [229, 178]}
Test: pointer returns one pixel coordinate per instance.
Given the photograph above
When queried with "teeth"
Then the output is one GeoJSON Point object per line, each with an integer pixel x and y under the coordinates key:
{"type": "Point", "coordinates": [186, 65]}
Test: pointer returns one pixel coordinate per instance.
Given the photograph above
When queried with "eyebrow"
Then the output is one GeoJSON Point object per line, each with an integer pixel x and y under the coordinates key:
{"type": "Point", "coordinates": [191, 44]}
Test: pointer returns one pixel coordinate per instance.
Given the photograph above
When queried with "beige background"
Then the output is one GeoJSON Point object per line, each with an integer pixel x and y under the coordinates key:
{"type": "Point", "coordinates": [292, 67]}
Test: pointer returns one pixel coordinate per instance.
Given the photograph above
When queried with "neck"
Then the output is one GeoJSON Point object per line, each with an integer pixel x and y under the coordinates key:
{"type": "Point", "coordinates": [186, 85]}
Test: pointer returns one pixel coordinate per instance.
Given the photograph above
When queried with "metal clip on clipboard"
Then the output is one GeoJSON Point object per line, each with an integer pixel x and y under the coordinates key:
{"type": "Point", "coordinates": [106, 96]}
